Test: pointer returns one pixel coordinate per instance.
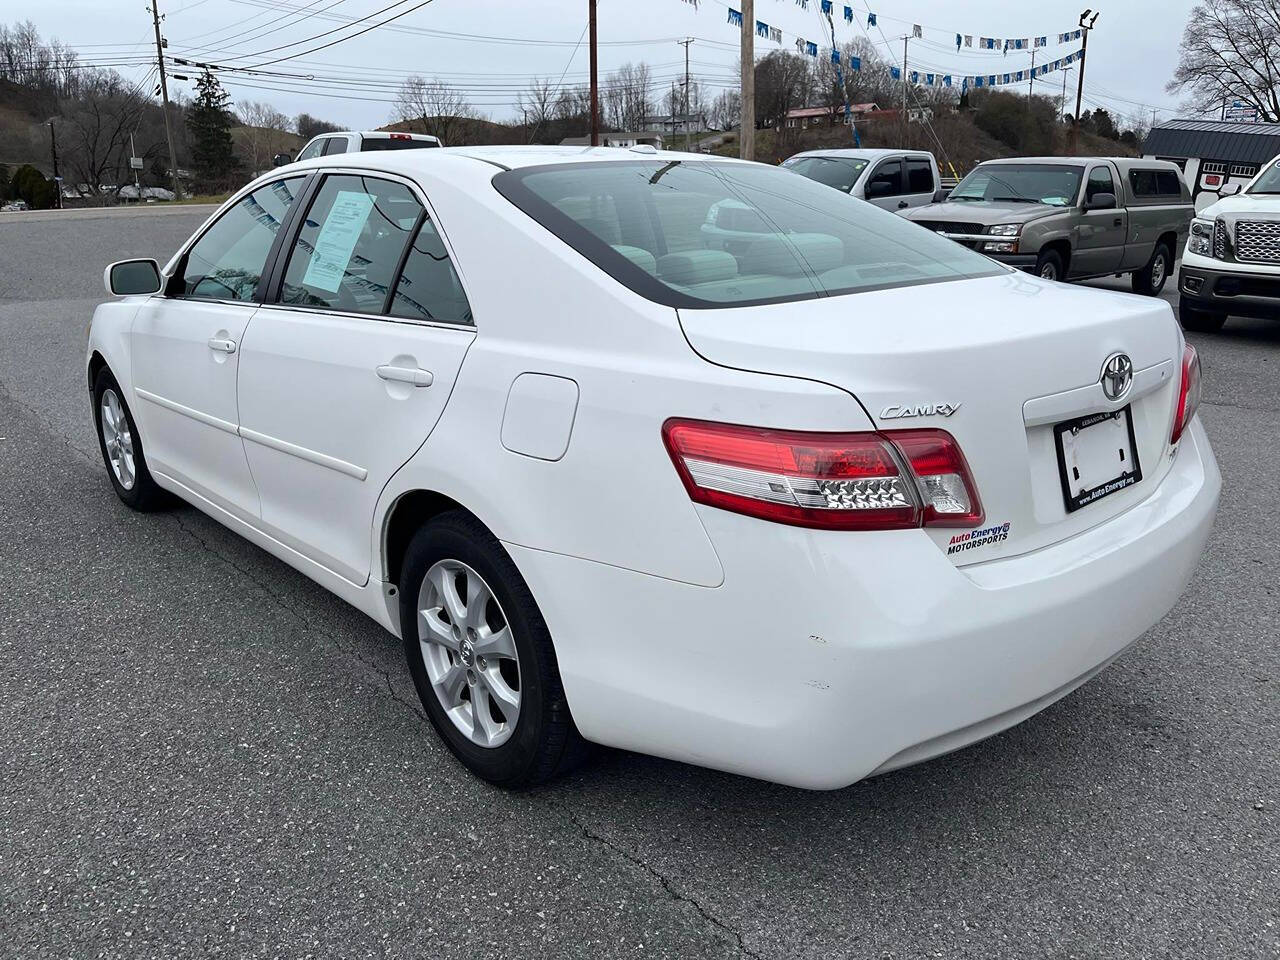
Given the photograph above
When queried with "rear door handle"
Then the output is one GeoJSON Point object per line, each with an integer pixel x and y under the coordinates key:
{"type": "Point", "coordinates": [221, 345]}
{"type": "Point", "coordinates": [414, 375]}
{"type": "Point", "coordinates": [902, 205]}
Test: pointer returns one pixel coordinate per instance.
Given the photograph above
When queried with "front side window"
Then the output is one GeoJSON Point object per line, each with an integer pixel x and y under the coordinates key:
{"type": "Point", "coordinates": [1099, 182]}
{"type": "Point", "coordinates": [226, 263]}
{"type": "Point", "coordinates": [349, 248]}
{"type": "Point", "coordinates": [886, 181]}
{"type": "Point", "coordinates": [839, 172]}
{"type": "Point", "coordinates": [919, 176]}
{"type": "Point", "coordinates": [710, 234]}
{"type": "Point", "coordinates": [1057, 185]}
{"type": "Point", "coordinates": [313, 149]}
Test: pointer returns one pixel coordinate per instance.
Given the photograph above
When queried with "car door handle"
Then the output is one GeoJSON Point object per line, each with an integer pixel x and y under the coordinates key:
{"type": "Point", "coordinates": [1117, 222]}
{"type": "Point", "coordinates": [414, 375]}
{"type": "Point", "coordinates": [902, 205]}
{"type": "Point", "coordinates": [221, 345]}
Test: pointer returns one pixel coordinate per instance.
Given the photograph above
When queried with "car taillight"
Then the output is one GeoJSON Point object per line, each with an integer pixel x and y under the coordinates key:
{"type": "Point", "coordinates": [400, 136]}
{"type": "Point", "coordinates": [894, 480]}
{"type": "Point", "coordinates": [1188, 392]}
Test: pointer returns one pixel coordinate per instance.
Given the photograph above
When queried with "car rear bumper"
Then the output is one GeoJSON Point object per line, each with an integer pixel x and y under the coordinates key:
{"type": "Point", "coordinates": [1219, 290]}
{"type": "Point", "coordinates": [825, 657]}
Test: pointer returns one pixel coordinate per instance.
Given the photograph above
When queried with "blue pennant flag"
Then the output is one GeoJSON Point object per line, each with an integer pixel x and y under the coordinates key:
{"type": "Point", "coordinates": [979, 82]}
{"type": "Point", "coordinates": [762, 29]}
{"type": "Point", "coordinates": [871, 19]}
{"type": "Point", "coordinates": [1008, 78]}
{"type": "Point", "coordinates": [848, 14]}
{"type": "Point", "coordinates": [855, 63]}
{"type": "Point", "coordinates": [826, 6]}
{"type": "Point", "coordinates": [928, 79]}
{"type": "Point", "coordinates": [735, 17]}
{"type": "Point", "coordinates": [946, 81]}
{"type": "Point", "coordinates": [895, 73]}
{"type": "Point", "coordinates": [811, 49]}
{"type": "Point", "coordinates": [835, 55]}
{"type": "Point", "coordinates": [915, 76]}
{"type": "Point", "coordinates": [991, 80]}
{"type": "Point", "coordinates": [959, 40]}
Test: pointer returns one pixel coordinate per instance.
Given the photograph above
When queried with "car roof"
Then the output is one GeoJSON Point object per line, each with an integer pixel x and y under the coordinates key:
{"type": "Point", "coordinates": [871, 154]}
{"type": "Point", "coordinates": [508, 157]}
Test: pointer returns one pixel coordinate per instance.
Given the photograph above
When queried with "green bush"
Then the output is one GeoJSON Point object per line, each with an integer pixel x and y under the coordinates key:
{"type": "Point", "coordinates": [30, 184]}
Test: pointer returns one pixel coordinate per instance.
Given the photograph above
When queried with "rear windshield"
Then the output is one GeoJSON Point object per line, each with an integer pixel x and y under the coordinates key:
{"type": "Point", "coordinates": [394, 143]}
{"type": "Point", "coordinates": [709, 234]}
{"type": "Point", "coordinates": [839, 172]}
{"type": "Point", "coordinates": [1050, 183]}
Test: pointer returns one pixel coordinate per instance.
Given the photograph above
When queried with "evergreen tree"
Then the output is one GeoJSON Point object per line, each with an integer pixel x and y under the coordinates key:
{"type": "Point", "coordinates": [209, 122]}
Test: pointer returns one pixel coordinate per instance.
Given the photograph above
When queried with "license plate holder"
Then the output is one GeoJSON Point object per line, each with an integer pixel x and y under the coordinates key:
{"type": "Point", "coordinates": [1097, 456]}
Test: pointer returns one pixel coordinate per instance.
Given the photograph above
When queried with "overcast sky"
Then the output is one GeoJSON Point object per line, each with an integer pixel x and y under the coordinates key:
{"type": "Point", "coordinates": [492, 47]}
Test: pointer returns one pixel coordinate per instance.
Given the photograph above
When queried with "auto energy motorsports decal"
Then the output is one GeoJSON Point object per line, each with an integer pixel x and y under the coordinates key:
{"type": "Point", "coordinates": [978, 538]}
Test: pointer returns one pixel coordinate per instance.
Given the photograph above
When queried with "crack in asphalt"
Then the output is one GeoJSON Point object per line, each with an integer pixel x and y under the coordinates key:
{"type": "Point", "coordinates": [667, 884]}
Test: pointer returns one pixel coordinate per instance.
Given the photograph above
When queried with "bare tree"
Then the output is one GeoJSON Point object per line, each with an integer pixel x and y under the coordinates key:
{"type": "Point", "coordinates": [726, 109]}
{"type": "Point", "coordinates": [433, 107]}
{"type": "Point", "coordinates": [536, 104]}
{"type": "Point", "coordinates": [1231, 51]}
{"type": "Point", "coordinates": [264, 132]}
{"type": "Point", "coordinates": [94, 130]}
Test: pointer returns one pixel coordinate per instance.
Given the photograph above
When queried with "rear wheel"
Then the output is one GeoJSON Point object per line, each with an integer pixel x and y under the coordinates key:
{"type": "Point", "coordinates": [1150, 280]}
{"type": "Point", "coordinates": [122, 447]}
{"type": "Point", "coordinates": [1049, 265]}
{"type": "Point", "coordinates": [1200, 321]}
{"type": "Point", "coordinates": [481, 656]}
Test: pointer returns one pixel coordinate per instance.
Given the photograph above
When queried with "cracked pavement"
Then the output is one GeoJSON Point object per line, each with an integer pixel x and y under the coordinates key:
{"type": "Point", "coordinates": [208, 755]}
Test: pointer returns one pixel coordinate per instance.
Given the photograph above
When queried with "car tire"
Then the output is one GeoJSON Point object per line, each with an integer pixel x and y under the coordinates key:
{"type": "Point", "coordinates": [121, 447]}
{"type": "Point", "coordinates": [1195, 319]}
{"type": "Point", "coordinates": [446, 636]}
{"type": "Point", "coordinates": [1049, 265]}
{"type": "Point", "coordinates": [1150, 280]}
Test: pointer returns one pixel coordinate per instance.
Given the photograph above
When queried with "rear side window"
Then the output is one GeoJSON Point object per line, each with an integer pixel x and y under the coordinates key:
{"type": "Point", "coordinates": [349, 248]}
{"type": "Point", "coordinates": [712, 234]}
{"type": "Point", "coordinates": [1155, 183]}
{"type": "Point", "coordinates": [395, 143]}
{"type": "Point", "coordinates": [335, 145]}
{"type": "Point", "coordinates": [428, 288]}
{"type": "Point", "coordinates": [919, 176]}
{"type": "Point", "coordinates": [226, 263]}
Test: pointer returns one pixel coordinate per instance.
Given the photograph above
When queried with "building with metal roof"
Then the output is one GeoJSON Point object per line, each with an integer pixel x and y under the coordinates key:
{"type": "Point", "coordinates": [1214, 153]}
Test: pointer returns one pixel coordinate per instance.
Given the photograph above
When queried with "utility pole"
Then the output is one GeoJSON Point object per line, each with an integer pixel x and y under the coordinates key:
{"type": "Point", "coordinates": [1032, 89]}
{"type": "Point", "coordinates": [905, 41]}
{"type": "Point", "coordinates": [53, 150]}
{"type": "Point", "coordinates": [685, 43]}
{"type": "Point", "coordinates": [1084, 46]}
{"type": "Point", "coordinates": [747, 133]}
{"type": "Point", "coordinates": [164, 100]}
{"type": "Point", "coordinates": [1062, 102]}
{"type": "Point", "coordinates": [595, 86]}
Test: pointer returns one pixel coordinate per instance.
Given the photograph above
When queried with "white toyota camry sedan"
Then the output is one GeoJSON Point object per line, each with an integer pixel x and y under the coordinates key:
{"type": "Point", "coordinates": [682, 455]}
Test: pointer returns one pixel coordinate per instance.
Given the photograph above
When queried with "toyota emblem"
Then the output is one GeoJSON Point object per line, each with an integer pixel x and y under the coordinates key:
{"type": "Point", "coordinates": [1117, 376]}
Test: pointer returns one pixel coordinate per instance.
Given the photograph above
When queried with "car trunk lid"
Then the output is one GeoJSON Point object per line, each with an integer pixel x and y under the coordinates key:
{"type": "Point", "coordinates": [997, 362]}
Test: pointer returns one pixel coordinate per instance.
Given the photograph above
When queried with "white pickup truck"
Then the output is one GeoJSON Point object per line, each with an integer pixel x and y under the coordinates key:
{"type": "Point", "coordinates": [1232, 261]}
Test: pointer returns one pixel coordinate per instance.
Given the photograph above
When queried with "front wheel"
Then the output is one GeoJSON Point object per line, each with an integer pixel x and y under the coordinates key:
{"type": "Point", "coordinates": [1199, 321]}
{"type": "Point", "coordinates": [122, 447]}
{"type": "Point", "coordinates": [481, 656]}
{"type": "Point", "coordinates": [1049, 265]}
{"type": "Point", "coordinates": [1150, 280]}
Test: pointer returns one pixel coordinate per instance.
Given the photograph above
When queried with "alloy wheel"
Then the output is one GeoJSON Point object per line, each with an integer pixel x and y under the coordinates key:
{"type": "Point", "coordinates": [469, 653]}
{"type": "Point", "coordinates": [117, 438]}
{"type": "Point", "coordinates": [1157, 272]}
{"type": "Point", "coordinates": [1049, 272]}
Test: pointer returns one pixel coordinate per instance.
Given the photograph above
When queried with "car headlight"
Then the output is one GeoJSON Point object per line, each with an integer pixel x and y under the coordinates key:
{"type": "Point", "coordinates": [1005, 230]}
{"type": "Point", "coordinates": [1201, 240]}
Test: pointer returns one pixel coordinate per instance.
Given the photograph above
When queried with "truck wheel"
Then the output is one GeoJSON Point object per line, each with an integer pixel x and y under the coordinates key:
{"type": "Point", "coordinates": [1199, 321]}
{"type": "Point", "coordinates": [1150, 280]}
{"type": "Point", "coordinates": [1049, 266]}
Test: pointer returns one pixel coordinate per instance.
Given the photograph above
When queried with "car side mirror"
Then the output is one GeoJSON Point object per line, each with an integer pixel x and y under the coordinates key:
{"type": "Point", "coordinates": [280, 159]}
{"type": "Point", "coordinates": [1101, 201]}
{"type": "Point", "coordinates": [1230, 190]}
{"type": "Point", "coordinates": [878, 188]}
{"type": "Point", "coordinates": [941, 196]}
{"type": "Point", "coordinates": [131, 278]}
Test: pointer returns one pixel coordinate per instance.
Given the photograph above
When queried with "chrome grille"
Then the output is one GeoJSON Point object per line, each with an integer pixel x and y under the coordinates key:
{"type": "Point", "coordinates": [1220, 240]}
{"type": "Point", "coordinates": [1258, 241]}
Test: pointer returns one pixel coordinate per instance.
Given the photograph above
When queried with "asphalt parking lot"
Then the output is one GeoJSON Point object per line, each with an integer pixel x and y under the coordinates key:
{"type": "Point", "coordinates": [206, 754]}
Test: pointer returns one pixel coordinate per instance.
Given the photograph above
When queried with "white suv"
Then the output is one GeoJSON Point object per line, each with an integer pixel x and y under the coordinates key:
{"type": "Point", "coordinates": [349, 141]}
{"type": "Point", "coordinates": [1232, 261]}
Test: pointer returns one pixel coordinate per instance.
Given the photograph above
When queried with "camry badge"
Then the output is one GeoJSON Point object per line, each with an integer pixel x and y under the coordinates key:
{"type": "Point", "coordinates": [900, 412]}
{"type": "Point", "coordinates": [1117, 376]}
